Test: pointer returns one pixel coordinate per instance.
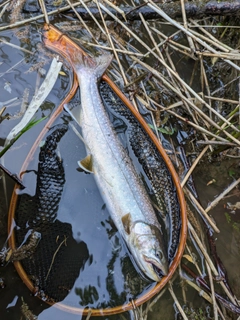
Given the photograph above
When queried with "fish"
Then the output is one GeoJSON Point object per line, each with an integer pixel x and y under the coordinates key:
{"type": "Point", "coordinates": [116, 177]}
{"type": "Point", "coordinates": [154, 167]}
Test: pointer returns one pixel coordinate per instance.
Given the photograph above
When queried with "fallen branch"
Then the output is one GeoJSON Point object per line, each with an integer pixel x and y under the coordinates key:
{"type": "Point", "coordinates": [173, 10]}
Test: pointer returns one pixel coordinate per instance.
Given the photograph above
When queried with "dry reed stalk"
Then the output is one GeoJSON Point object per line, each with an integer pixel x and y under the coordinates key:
{"type": "Point", "coordinates": [230, 56]}
{"type": "Point", "coordinates": [213, 142]}
{"type": "Point", "coordinates": [203, 294]}
{"type": "Point", "coordinates": [225, 85]}
{"type": "Point", "coordinates": [183, 287]}
{"type": "Point", "coordinates": [203, 71]}
{"type": "Point", "coordinates": [156, 47]}
{"type": "Point", "coordinates": [10, 69]}
{"type": "Point", "coordinates": [89, 314]}
{"type": "Point", "coordinates": [223, 194]}
{"type": "Point", "coordinates": [112, 45]}
{"type": "Point", "coordinates": [3, 10]}
{"type": "Point", "coordinates": [152, 5]}
{"type": "Point", "coordinates": [172, 42]}
{"type": "Point", "coordinates": [116, 8]}
{"type": "Point", "coordinates": [199, 128]}
{"type": "Point", "coordinates": [222, 99]}
{"type": "Point", "coordinates": [153, 301]}
{"type": "Point", "coordinates": [43, 8]}
{"type": "Point", "coordinates": [185, 24]}
{"type": "Point", "coordinates": [15, 46]}
{"type": "Point", "coordinates": [200, 291]}
{"type": "Point", "coordinates": [40, 16]}
{"type": "Point", "coordinates": [214, 41]}
{"type": "Point", "coordinates": [200, 208]}
{"type": "Point", "coordinates": [4, 3]}
{"type": "Point", "coordinates": [215, 311]}
{"type": "Point", "coordinates": [80, 19]}
{"type": "Point", "coordinates": [196, 161]}
{"type": "Point", "coordinates": [170, 289]}
{"type": "Point", "coordinates": [193, 259]}
{"type": "Point", "coordinates": [159, 76]}
{"type": "Point", "coordinates": [92, 16]}
{"type": "Point", "coordinates": [130, 53]}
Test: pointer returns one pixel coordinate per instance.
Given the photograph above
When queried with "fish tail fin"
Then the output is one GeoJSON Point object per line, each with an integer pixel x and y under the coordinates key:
{"type": "Point", "coordinates": [83, 63]}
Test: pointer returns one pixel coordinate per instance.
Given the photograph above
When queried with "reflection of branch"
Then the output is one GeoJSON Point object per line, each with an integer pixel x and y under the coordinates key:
{"type": "Point", "coordinates": [54, 256]}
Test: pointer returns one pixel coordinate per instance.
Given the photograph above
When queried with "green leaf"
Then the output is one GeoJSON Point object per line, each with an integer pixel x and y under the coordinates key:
{"type": "Point", "coordinates": [165, 130]}
{"type": "Point", "coordinates": [231, 173]}
{"type": "Point", "coordinates": [32, 123]}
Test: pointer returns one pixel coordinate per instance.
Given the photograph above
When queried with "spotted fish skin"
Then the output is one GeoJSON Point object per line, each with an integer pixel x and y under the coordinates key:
{"type": "Point", "coordinates": [153, 165]}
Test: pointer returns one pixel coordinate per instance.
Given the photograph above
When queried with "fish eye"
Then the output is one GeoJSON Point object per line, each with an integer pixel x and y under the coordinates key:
{"type": "Point", "coordinates": [159, 255]}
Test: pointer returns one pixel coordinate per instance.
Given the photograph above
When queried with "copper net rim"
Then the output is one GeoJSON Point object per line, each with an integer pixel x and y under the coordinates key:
{"type": "Point", "coordinates": [57, 41]}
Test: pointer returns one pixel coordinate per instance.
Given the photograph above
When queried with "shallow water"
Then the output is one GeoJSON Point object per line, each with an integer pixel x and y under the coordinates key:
{"type": "Point", "coordinates": [106, 246]}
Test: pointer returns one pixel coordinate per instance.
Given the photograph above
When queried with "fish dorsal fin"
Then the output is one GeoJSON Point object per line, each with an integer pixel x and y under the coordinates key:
{"type": "Point", "coordinates": [127, 222]}
{"type": "Point", "coordinates": [86, 164]}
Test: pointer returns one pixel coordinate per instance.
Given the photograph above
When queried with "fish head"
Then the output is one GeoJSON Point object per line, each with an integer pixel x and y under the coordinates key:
{"type": "Point", "coordinates": [149, 250]}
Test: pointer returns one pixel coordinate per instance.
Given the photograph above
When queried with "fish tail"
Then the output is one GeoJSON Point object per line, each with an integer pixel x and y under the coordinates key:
{"type": "Point", "coordinates": [83, 63]}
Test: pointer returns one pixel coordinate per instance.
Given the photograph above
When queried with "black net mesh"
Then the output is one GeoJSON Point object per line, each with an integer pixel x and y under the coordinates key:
{"type": "Point", "coordinates": [58, 258]}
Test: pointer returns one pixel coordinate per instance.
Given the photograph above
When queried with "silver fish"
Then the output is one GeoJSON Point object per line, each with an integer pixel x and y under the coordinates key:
{"type": "Point", "coordinates": [121, 188]}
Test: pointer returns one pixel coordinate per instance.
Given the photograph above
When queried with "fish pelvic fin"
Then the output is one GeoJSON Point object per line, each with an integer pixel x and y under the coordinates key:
{"type": "Point", "coordinates": [86, 164]}
{"type": "Point", "coordinates": [127, 222]}
{"type": "Point", "coordinates": [94, 65]}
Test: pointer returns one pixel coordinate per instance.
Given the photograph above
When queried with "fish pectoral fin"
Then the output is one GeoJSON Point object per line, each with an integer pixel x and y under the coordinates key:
{"type": "Point", "coordinates": [86, 164]}
{"type": "Point", "coordinates": [127, 222]}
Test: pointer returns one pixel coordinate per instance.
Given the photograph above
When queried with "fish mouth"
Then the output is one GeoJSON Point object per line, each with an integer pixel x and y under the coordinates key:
{"type": "Point", "coordinates": [157, 271]}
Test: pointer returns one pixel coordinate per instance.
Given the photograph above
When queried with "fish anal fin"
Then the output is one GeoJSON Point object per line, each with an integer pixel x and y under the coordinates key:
{"type": "Point", "coordinates": [86, 164]}
{"type": "Point", "coordinates": [127, 222]}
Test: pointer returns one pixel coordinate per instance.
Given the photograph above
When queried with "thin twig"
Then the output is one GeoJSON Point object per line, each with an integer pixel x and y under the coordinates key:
{"type": "Point", "coordinates": [222, 99]}
{"type": "Point", "coordinates": [211, 142]}
{"type": "Point", "coordinates": [4, 3]}
{"type": "Point", "coordinates": [200, 291]}
{"type": "Point", "coordinates": [15, 46]}
{"type": "Point", "coordinates": [200, 208]}
{"type": "Point", "coordinates": [43, 7]}
{"type": "Point", "coordinates": [112, 45]}
{"type": "Point", "coordinates": [4, 9]}
{"type": "Point", "coordinates": [176, 301]}
{"type": "Point", "coordinates": [215, 42]}
{"type": "Point", "coordinates": [159, 76]}
{"type": "Point", "coordinates": [190, 171]}
{"type": "Point", "coordinates": [223, 194]}
{"type": "Point", "coordinates": [80, 19]}
{"type": "Point", "coordinates": [40, 16]}
{"type": "Point", "coordinates": [215, 312]}
{"type": "Point", "coordinates": [54, 256]}
{"type": "Point", "coordinates": [152, 5]}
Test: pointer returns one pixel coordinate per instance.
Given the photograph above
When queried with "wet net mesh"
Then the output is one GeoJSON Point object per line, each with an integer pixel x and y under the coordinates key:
{"type": "Point", "coordinates": [58, 258]}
